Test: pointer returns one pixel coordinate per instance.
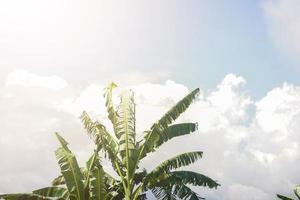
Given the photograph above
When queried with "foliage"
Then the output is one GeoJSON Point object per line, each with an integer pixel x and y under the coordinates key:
{"type": "Point", "coordinates": [296, 191]}
{"type": "Point", "coordinates": [125, 153]}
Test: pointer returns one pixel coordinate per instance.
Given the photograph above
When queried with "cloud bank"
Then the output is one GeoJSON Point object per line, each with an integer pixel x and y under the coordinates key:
{"type": "Point", "coordinates": [250, 146]}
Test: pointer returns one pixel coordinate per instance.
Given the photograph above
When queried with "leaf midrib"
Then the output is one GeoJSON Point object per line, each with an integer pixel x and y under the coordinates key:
{"type": "Point", "coordinates": [73, 174]}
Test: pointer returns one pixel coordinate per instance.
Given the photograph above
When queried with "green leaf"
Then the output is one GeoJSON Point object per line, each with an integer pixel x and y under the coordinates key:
{"type": "Point", "coordinates": [90, 166]}
{"type": "Point", "coordinates": [62, 141]}
{"type": "Point", "coordinates": [297, 191]}
{"type": "Point", "coordinates": [163, 194]}
{"type": "Point", "coordinates": [100, 135]}
{"type": "Point", "coordinates": [126, 131]}
{"type": "Point", "coordinates": [92, 163]}
{"type": "Point", "coordinates": [126, 122]}
{"type": "Point", "coordinates": [139, 177]}
{"type": "Point", "coordinates": [184, 192]}
{"type": "Point", "coordinates": [71, 172]}
{"type": "Point", "coordinates": [94, 129]}
{"type": "Point", "coordinates": [175, 131]}
{"type": "Point", "coordinates": [283, 197]}
{"type": "Point", "coordinates": [60, 180]}
{"type": "Point", "coordinates": [103, 139]}
{"type": "Point", "coordinates": [173, 163]}
{"type": "Point", "coordinates": [52, 192]}
{"type": "Point", "coordinates": [22, 196]}
{"type": "Point", "coordinates": [153, 136]}
{"type": "Point", "coordinates": [189, 177]}
{"type": "Point", "coordinates": [97, 184]}
{"type": "Point", "coordinates": [98, 181]}
{"type": "Point", "coordinates": [112, 114]}
{"type": "Point", "coordinates": [142, 197]}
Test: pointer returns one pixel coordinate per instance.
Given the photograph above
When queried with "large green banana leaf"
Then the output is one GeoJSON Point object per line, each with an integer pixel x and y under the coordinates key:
{"type": "Point", "coordinates": [126, 123]}
{"type": "Point", "coordinates": [175, 131]}
{"type": "Point", "coordinates": [283, 197]}
{"type": "Point", "coordinates": [184, 192]}
{"type": "Point", "coordinates": [172, 163]}
{"type": "Point", "coordinates": [70, 171]}
{"type": "Point", "coordinates": [23, 196]}
{"type": "Point", "coordinates": [190, 177]}
{"type": "Point", "coordinates": [97, 184]}
{"type": "Point", "coordinates": [297, 191]}
{"type": "Point", "coordinates": [104, 140]}
{"type": "Point", "coordinates": [163, 193]}
{"type": "Point", "coordinates": [52, 192]}
{"type": "Point", "coordinates": [153, 136]}
{"type": "Point", "coordinates": [112, 114]}
{"type": "Point", "coordinates": [126, 132]}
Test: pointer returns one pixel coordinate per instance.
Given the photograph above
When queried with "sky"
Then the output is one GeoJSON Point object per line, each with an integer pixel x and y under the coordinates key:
{"type": "Point", "coordinates": [56, 57]}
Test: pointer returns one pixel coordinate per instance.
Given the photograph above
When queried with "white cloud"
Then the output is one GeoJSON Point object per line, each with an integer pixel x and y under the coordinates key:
{"type": "Point", "coordinates": [90, 100]}
{"type": "Point", "coordinates": [26, 79]}
{"type": "Point", "coordinates": [222, 107]}
{"type": "Point", "coordinates": [277, 110]}
{"type": "Point", "coordinates": [263, 157]}
{"type": "Point", "coordinates": [246, 193]}
{"type": "Point", "coordinates": [254, 154]}
{"type": "Point", "coordinates": [283, 20]}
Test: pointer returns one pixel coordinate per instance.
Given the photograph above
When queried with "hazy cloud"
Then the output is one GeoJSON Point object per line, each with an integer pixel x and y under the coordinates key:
{"type": "Point", "coordinates": [26, 79]}
{"type": "Point", "coordinates": [94, 41]}
{"type": "Point", "coordinates": [250, 147]}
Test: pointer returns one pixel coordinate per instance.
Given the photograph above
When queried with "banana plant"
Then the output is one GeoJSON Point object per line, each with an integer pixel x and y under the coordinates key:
{"type": "Point", "coordinates": [74, 183]}
{"type": "Point", "coordinates": [296, 191]}
{"type": "Point", "coordinates": [125, 152]}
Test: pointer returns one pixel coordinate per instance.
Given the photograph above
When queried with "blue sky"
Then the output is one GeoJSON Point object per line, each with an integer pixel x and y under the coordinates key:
{"type": "Point", "coordinates": [233, 38]}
